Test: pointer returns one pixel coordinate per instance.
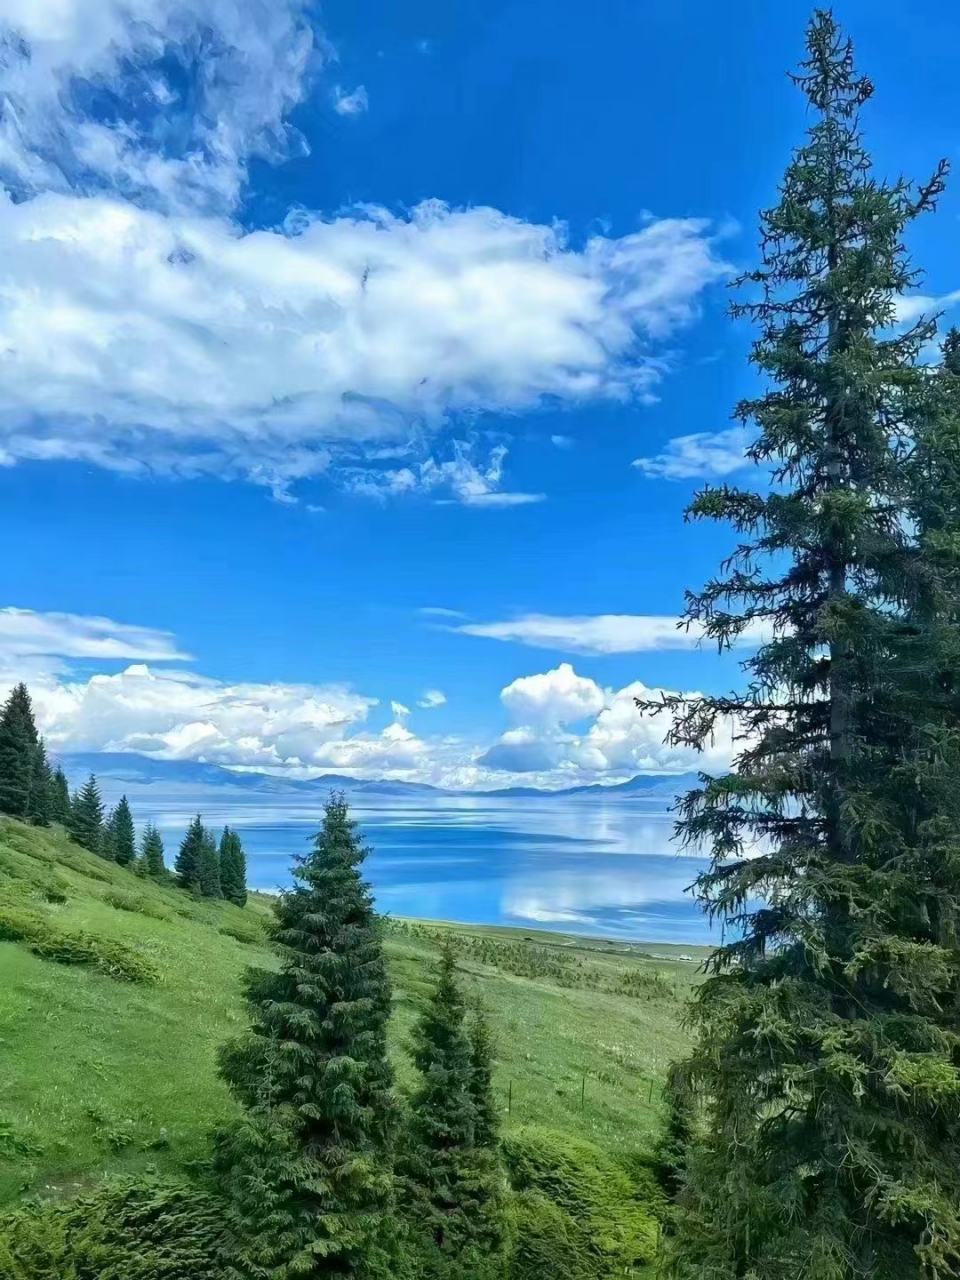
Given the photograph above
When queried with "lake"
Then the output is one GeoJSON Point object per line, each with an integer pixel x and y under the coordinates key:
{"type": "Point", "coordinates": [578, 864]}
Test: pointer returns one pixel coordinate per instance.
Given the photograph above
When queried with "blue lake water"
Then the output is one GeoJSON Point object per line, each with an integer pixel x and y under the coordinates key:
{"type": "Point", "coordinates": [579, 865]}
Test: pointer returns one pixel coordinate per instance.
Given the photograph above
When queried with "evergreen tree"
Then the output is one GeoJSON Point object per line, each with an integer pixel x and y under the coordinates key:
{"type": "Point", "coordinates": [151, 854]}
{"type": "Point", "coordinates": [208, 868]}
{"type": "Point", "coordinates": [18, 747]}
{"type": "Point", "coordinates": [38, 806]}
{"type": "Point", "coordinates": [123, 836]}
{"type": "Point", "coordinates": [189, 857]}
{"type": "Point", "coordinates": [453, 1185]}
{"type": "Point", "coordinates": [107, 846]}
{"type": "Point", "coordinates": [59, 798]}
{"type": "Point", "coordinates": [233, 868]}
{"type": "Point", "coordinates": [486, 1118]}
{"type": "Point", "coordinates": [827, 1064]}
{"type": "Point", "coordinates": [86, 816]}
{"type": "Point", "coordinates": [309, 1171]}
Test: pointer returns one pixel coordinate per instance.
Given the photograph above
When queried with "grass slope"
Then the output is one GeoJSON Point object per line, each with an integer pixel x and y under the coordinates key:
{"type": "Point", "coordinates": [99, 1075]}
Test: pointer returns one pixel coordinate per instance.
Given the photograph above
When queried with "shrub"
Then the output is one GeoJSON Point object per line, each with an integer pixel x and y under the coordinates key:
{"type": "Point", "coordinates": [121, 900]}
{"type": "Point", "coordinates": [249, 934]}
{"type": "Point", "coordinates": [131, 1230]}
{"type": "Point", "coordinates": [578, 1213]}
{"type": "Point", "coordinates": [107, 955]}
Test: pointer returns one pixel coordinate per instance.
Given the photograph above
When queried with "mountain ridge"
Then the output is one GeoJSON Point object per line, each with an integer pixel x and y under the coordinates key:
{"type": "Point", "coordinates": [132, 767]}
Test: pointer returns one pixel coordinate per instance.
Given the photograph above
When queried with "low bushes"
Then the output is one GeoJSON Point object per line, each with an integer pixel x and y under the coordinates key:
{"type": "Point", "coordinates": [107, 955]}
{"type": "Point", "coordinates": [578, 1215]}
{"type": "Point", "coordinates": [121, 900]}
{"type": "Point", "coordinates": [131, 1230]}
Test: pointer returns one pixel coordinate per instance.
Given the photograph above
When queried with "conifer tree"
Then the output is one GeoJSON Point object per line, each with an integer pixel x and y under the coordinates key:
{"type": "Point", "coordinates": [18, 746]}
{"type": "Point", "coordinates": [151, 854]}
{"type": "Point", "coordinates": [233, 868]}
{"type": "Point", "coordinates": [122, 835]}
{"type": "Point", "coordinates": [309, 1171]}
{"type": "Point", "coordinates": [208, 868]}
{"type": "Point", "coordinates": [827, 1064]}
{"type": "Point", "coordinates": [38, 806]}
{"type": "Point", "coordinates": [59, 797]}
{"type": "Point", "coordinates": [453, 1185]}
{"type": "Point", "coordinates": [188, 860]}
{"type": "Point", "coordinates": [86, 816]}
{"type": "Point", "coordinates": [486, 1118]}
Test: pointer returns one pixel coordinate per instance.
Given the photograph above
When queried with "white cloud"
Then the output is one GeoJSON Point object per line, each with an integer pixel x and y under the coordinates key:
{"type": "Point", "coordinates": [619, 741]}
{"type": "Point", "coordinates": [471, 484]}
{"type": "Point", "coordinates": [150, 139]}
{"type": "Point", "coordinates": [562, 442]}
{"type": "Point", "coordinates": [432, 698]}
{"type": "Point", "coordinates": [26, 633]}
{"type": "Point", "coordinates": [602, 633]}
{"type": "Point", "coordinates": [566, 728]}
{"type": "Point", "coordinates": [134, 340]}
{"type": "Point", "coordinates": [915, 305]}
{"type": "Point", "coordinates": [706, 454]}
{"type": "Point", "coordinates": [350, 104]}
{"type": "Point", "coordinates": [552, 698]}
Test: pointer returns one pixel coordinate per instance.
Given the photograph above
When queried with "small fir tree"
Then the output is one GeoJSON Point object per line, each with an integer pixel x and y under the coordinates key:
{"type": "Point", "coordinates": [59, 798]}
{"type": "Point", "coordinates": [453, 1185]}
{"type": "Point", "coordinates": [86, 816]}
{"type": "Point", "coordinates": [233, 868]}
{"type": "Point", "coordinates": [18, 748]}
{"type": "Point", "coordinates": [486, 1118]}
{"type": "Point", "coordinates": [151, 854]}
{"type": "Point", "coordinates": [189, 856]}
{"type": "Point", "coordinates": [38, 806]}
{"type": "Point", "coordinates": [123, 835]}
{"type": "Point", "coordinates": [208, 870]}
{"type": "Point", "coordinates": [309, 1170]}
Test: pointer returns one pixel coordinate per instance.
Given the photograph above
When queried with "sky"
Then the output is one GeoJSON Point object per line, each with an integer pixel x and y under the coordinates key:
{"type": "Point", "coordinates": [358, 363]}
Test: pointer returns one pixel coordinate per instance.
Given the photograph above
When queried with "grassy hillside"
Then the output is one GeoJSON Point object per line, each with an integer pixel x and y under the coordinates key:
{"type": "Point", "coordinates": [115, 992]}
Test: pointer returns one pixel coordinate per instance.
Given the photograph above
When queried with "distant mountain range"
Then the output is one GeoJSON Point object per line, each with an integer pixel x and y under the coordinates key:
{"type": "Point", "coordinates": [143, 771]}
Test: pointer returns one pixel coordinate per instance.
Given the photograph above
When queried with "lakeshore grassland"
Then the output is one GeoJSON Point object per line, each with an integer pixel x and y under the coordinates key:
{"type": "Point", "coordinates": [100, 1075]}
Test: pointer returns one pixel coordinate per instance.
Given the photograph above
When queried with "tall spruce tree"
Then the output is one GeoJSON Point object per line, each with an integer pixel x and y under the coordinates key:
{"type": "Point", "coordinates": [453, 1185]}
{"type": "Point", "coordinates": [86, 816]}
{"type": "Point", "coordinates": [38, 806]}
{"type": "Point", "coordinates": [233, 868]}
{"type": "Point", "coordinates": [123, 837]}
{"type": "Point", "coordinates": [18, 749]}
{"type": "Point", "coordinates": [828, 1057]}
{"type": "Point", "coordinates": [151, 861]}
{"type": "Point", "coordinates": [208, 868]}
{"type": "Point", "coordinates": [309, 1171]}
{"type": "Point", "coordinates": [59, 797]}
{"type": "Point", "coordinates": [190, 855]}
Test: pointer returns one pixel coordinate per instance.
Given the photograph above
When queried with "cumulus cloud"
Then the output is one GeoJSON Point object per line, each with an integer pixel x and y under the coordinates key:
{"type": "Point", "coordinates": [603, 633]}
{"type": "Point", "coordinates": [399, 710]}
{"type": "Point", "coordinates": [350, 104]}
{"type": "Point", "coordinates": [552, 698]}
{"type": "Point", "coordinates": [915, 305]}
{"type": "Point", "coordinates": [164, 101]}
{"type": "Point", "coordinates": [618, 742]}
{"type": "Point", "coordinates": [432, 698]}
{"type": "Point", "coordinates": [137, 340]}
{"type": "Point", "coordinates": [704, 455]}
{"type": "Point", "coordinates": [145, 327]}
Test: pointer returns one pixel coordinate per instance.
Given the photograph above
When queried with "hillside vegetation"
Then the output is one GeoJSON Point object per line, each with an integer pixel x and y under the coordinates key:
{"type": "Point", "coordinates": [116, 991]}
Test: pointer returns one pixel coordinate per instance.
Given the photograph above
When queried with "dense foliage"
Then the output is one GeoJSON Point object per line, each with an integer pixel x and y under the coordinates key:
{"type": "Point", "coordinates": [19, 746]}
{"type": "Point", "coordinates": [828, 1062]}
{"type": "Point", "coordinates": [452, 1183]}
{"type": "Point", "coordinates": [309, 1171]}
{"type": "Point", "coordinates": [233, 868]}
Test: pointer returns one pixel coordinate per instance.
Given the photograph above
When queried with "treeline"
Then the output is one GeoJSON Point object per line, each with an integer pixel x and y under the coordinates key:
{"type": "Point", "coordinates": [32, 790]}
{"type": "Point", "coordinates": [326, 1174]}
{"type": "Point", "coordinates": [817, 1123]}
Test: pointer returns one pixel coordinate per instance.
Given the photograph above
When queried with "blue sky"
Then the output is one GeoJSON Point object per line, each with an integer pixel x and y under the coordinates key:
{"type": "Point", "coordinates": [318, 324]}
